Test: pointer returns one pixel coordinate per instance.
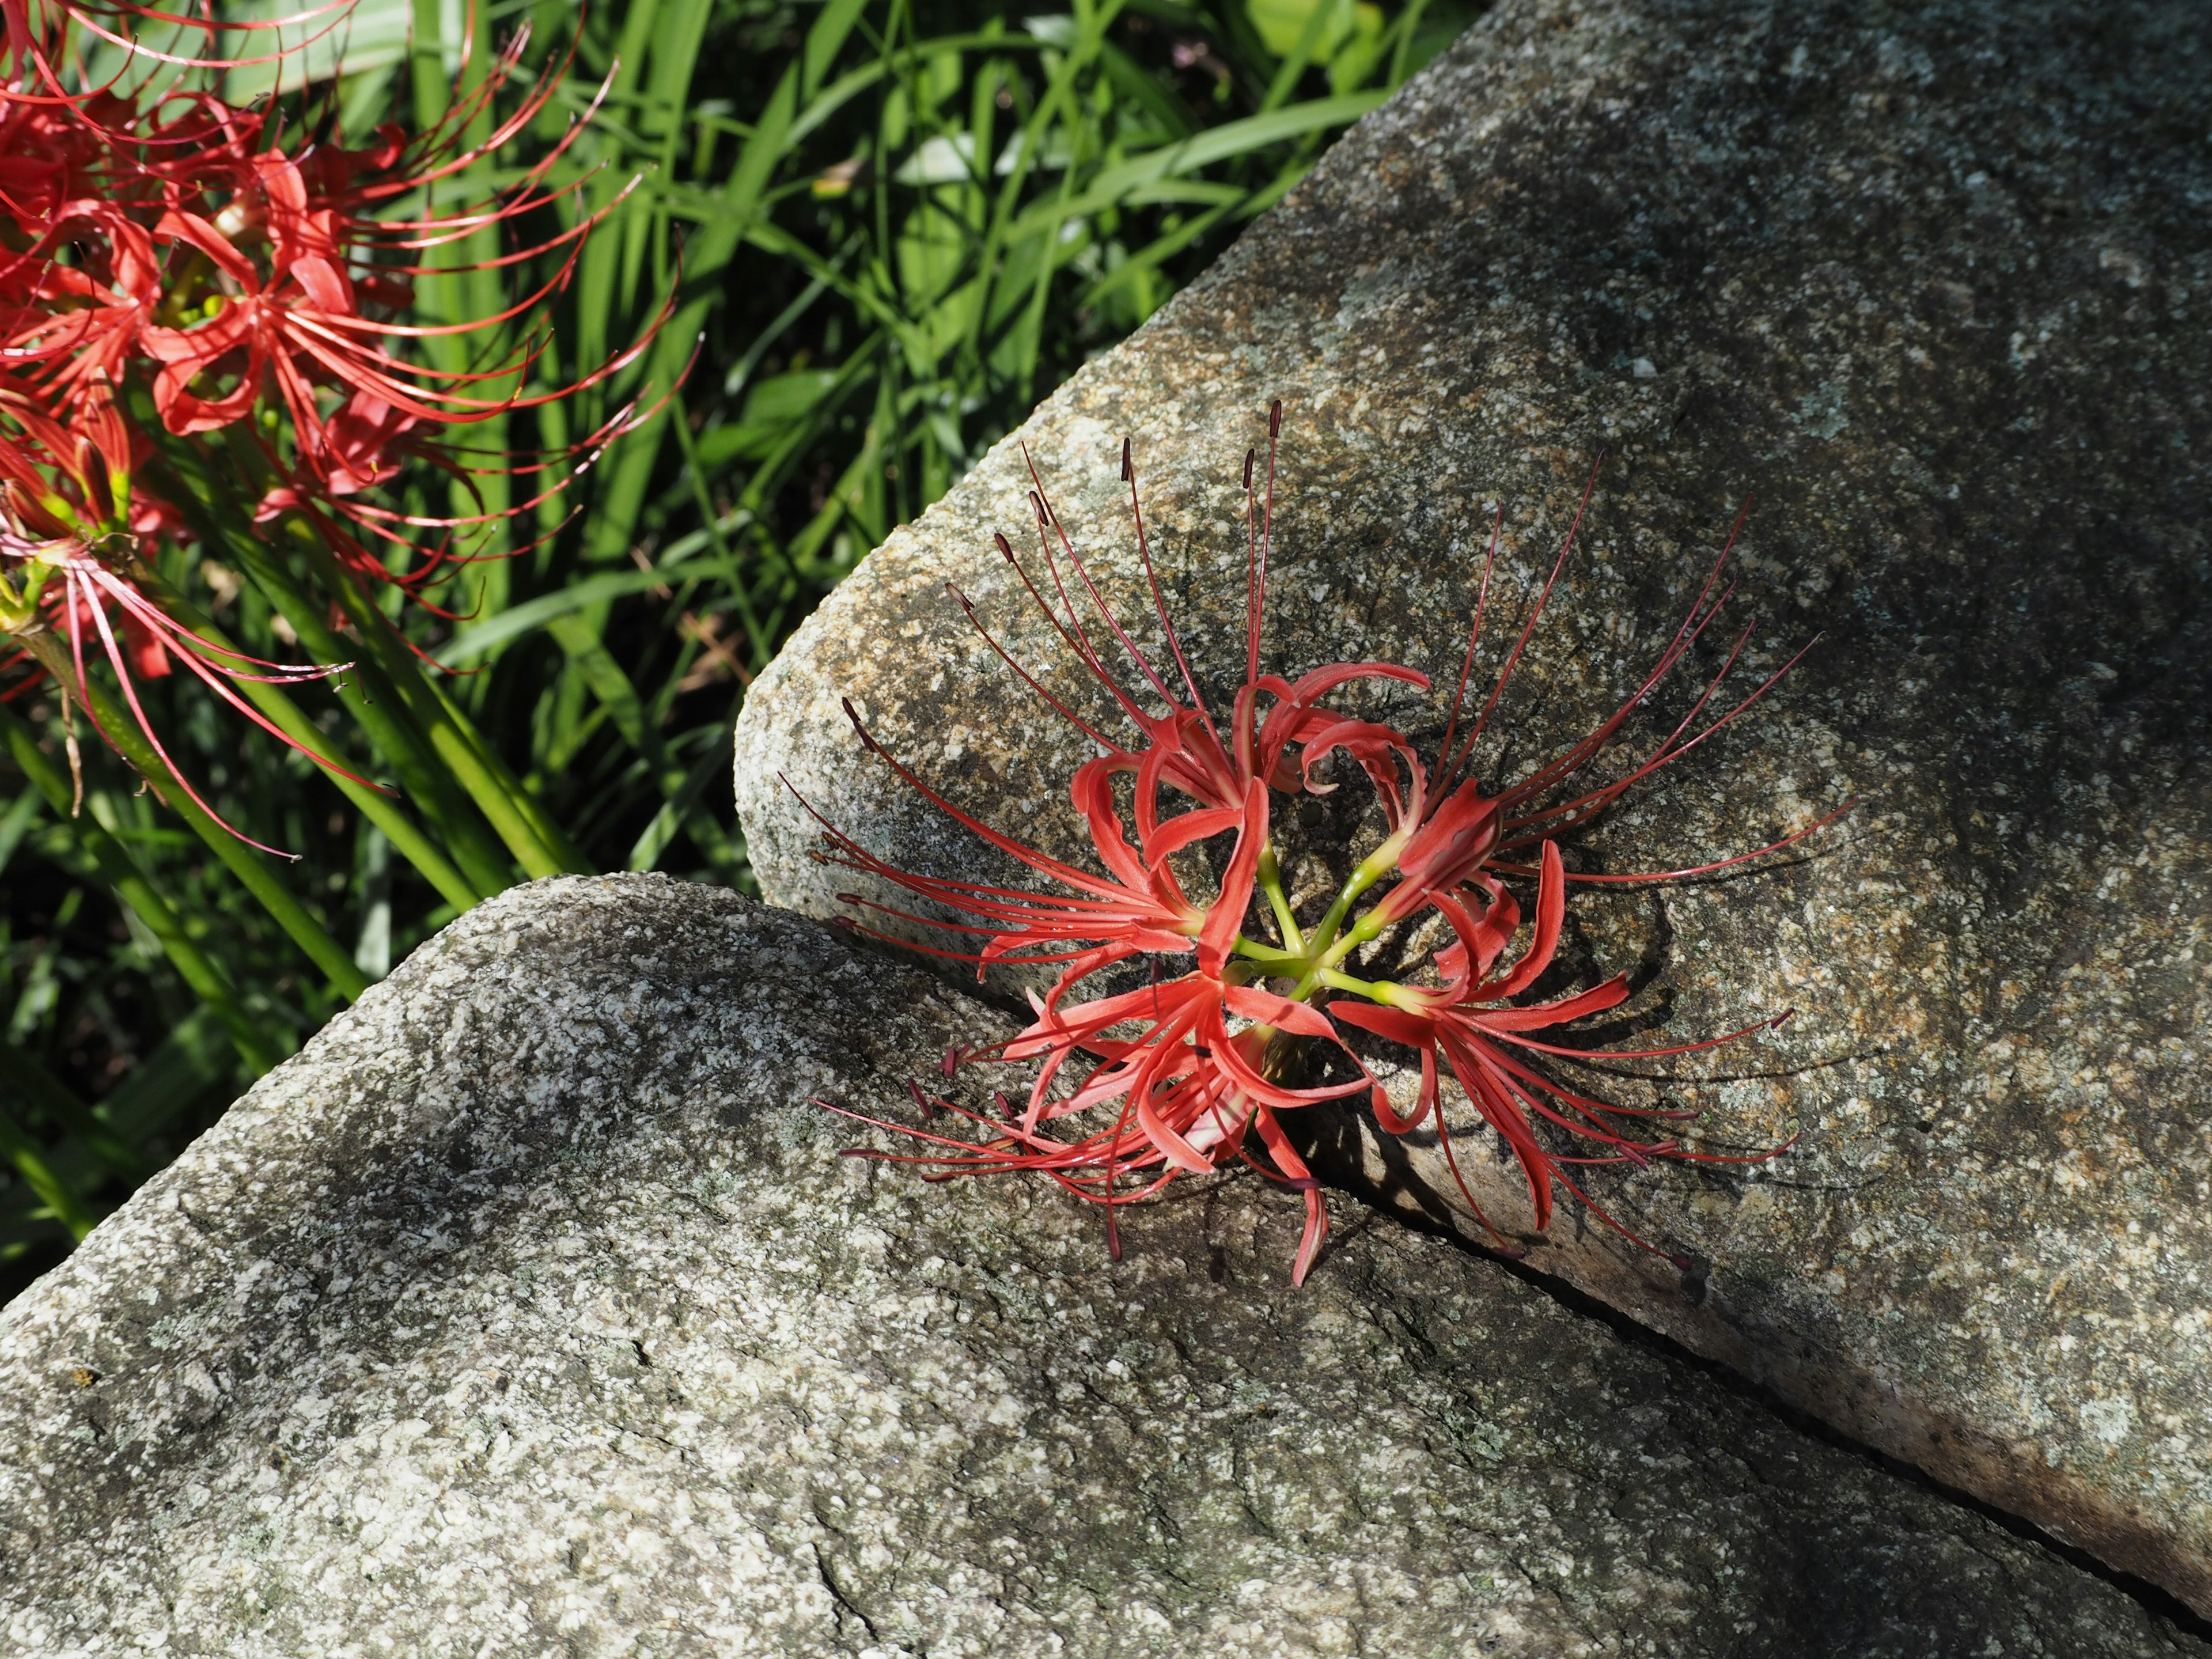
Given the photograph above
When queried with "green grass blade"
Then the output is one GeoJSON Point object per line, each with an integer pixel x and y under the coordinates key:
{"type": "Point", "coordinates": [122, 734]}
{"type": "Point", "coordinates": [187, 1068]}
{"type": "Point", "coordinates": [1244, 137]}
{"type": "Point", "coordinates": [33, 1086]}
{"type": "Point", "coordinates": [30, 1162]}
{"type": "Point", "coordinates": [121, 871]}
{"type": "Point", "coordinates": [532, 615]}
{"type": "Point", "coordinates": [374, 805]}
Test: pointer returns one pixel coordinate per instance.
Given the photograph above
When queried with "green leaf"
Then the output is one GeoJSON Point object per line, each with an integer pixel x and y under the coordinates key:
{"type": "Point", "coordinates": [1283, 23]}
{"type": "Point", "coordinates": [1115, 184]}
{"type": "Point", "coordinates": [533, 614]}
{"type": "Point", "coordinates": [15, 822]}
{"type": "Point", "coordinates": [189, 1067]}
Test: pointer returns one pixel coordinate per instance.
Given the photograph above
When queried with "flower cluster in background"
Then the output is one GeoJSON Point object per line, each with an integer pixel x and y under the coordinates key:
{"type": "Point", "coordinates": [1192, 1070]}
{"type": "Point", "coordinates": [207, 307]}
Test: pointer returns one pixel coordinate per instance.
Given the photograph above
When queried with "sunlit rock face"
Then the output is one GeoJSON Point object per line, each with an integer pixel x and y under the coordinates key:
{"type": "Point", "coordinates": [1929, 285]}
{"type": "Point", "coordinates": [531, 1309]}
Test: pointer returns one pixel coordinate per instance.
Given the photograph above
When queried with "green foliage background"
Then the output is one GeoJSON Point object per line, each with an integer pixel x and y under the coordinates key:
{"type": "Point", "coordinates": [889, 228]}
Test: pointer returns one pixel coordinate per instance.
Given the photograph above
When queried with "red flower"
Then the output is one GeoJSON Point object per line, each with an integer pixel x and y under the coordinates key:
{"type": "Point", "coordinates": [1190, 1091]}
{"type": "Point", "coordinates": [1136, 907]}
{"type": "Point", "coordinates": [67, 573]}
{"type": "Point", "coordinates": [244, 263]}
{"type": "Point", "coordinates": [245, 271]}
{"type": "Point", "coordinates": [1196, 1066]}
{"type": "Point", "coordinates": [1186, 1089]}
{"type": "Point", "coordinates": [86, 320]}
{"type": "Point", "coordinates": [1472, 1025]}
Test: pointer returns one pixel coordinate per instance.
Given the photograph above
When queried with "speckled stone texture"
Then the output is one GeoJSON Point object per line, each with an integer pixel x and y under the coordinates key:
{"type": "Point", "coordinates": [531, 1311]}
{"type": "Point", "coordinates": [1931, 284]}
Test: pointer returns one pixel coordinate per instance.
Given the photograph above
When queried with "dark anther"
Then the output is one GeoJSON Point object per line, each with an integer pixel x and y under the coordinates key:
{"type": "Point", "coordinates": [1005, 547]}
{"type": "Point", "coordinates": [1128, 472]}
{"type": "Point", "coordinates": [845, 922]}
{"type": "Point", "coordinates": [850, 898]}
{"type": "Point", "coordinates": [854, 715]}
{"type": "Point", "coordinates": [1007, 1109]}
{"type": "Point", "coordinates": [1275, 419]}
{"type": "Point", "coordinates": [929, 1108]}
{"type": "Point", "coordinates": [1250, 456]}
{"type": "Point", "coordinates": [1201, 1051]}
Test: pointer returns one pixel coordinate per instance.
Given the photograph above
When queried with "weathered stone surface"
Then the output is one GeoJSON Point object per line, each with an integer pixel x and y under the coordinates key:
{"type": "Point", "coordinates": [530, 1311]}
{"type": "Point", "coordinates": [1931, 282]}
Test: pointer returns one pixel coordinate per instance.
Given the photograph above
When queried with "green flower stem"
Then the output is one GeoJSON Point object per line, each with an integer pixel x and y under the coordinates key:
{"type": "Point", "coordinates": [1375, 990]}
{"type": "Point", "coordinates": [375, 804]}
{"type": "Point", "coordinates": [23, 1152]}
{"type": "Point", "coordinates": [121, 730]}
{"type": "Point", "coordinates": [1318, 954]}
{"type": "Point", "coordinates": [374, 701]}
{"type": "Point", "coordinates": [1270, 877]}
{"type": "Point", "coordinates": [1293, 963]}
{"type": "Point", "coordinates": [538, 844]}
{"type": "Point", "coordinates": [206, 979]}
{"type": "Point", "coordinates": [1369, 927]}
{"type": "Point", "coordinates": [1376, 865]}
{"type": "Point", "coordinates": [1322, 966]}
{"type": "Point", "coordinates": [1312, 962]}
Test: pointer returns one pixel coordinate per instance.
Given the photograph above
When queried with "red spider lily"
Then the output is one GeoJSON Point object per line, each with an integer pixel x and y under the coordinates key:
{"type": "Point", "coordinates": [1191, 1089]}
{"type": "Point", "coordinates": [1195, 1066]}
{"type": "Point", "coordinates": [250, 270]}
{"type": "Point", "coordinates": [241, 263]}
{"type": "Point", "coordinates": [88, 321]}
{"type": "Point", "coordinates": [1190, 1092]}
{"type": "Point", "coordinates": [66, 556]}
{"type": "Point", "coordinates": [1471, 1021]}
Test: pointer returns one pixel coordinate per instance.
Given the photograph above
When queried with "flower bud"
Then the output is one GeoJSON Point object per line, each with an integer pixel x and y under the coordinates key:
{"type": "Point", "coordinates": [1451, 846]}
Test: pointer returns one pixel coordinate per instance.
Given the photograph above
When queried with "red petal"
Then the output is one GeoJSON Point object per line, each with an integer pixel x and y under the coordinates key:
{"type": "Point", "coordinates": [1226, 918]}
{"type": "Point", "coordinates": [1266, 1008]}
{"type": "Point", "coordinates": [1550, 916]}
